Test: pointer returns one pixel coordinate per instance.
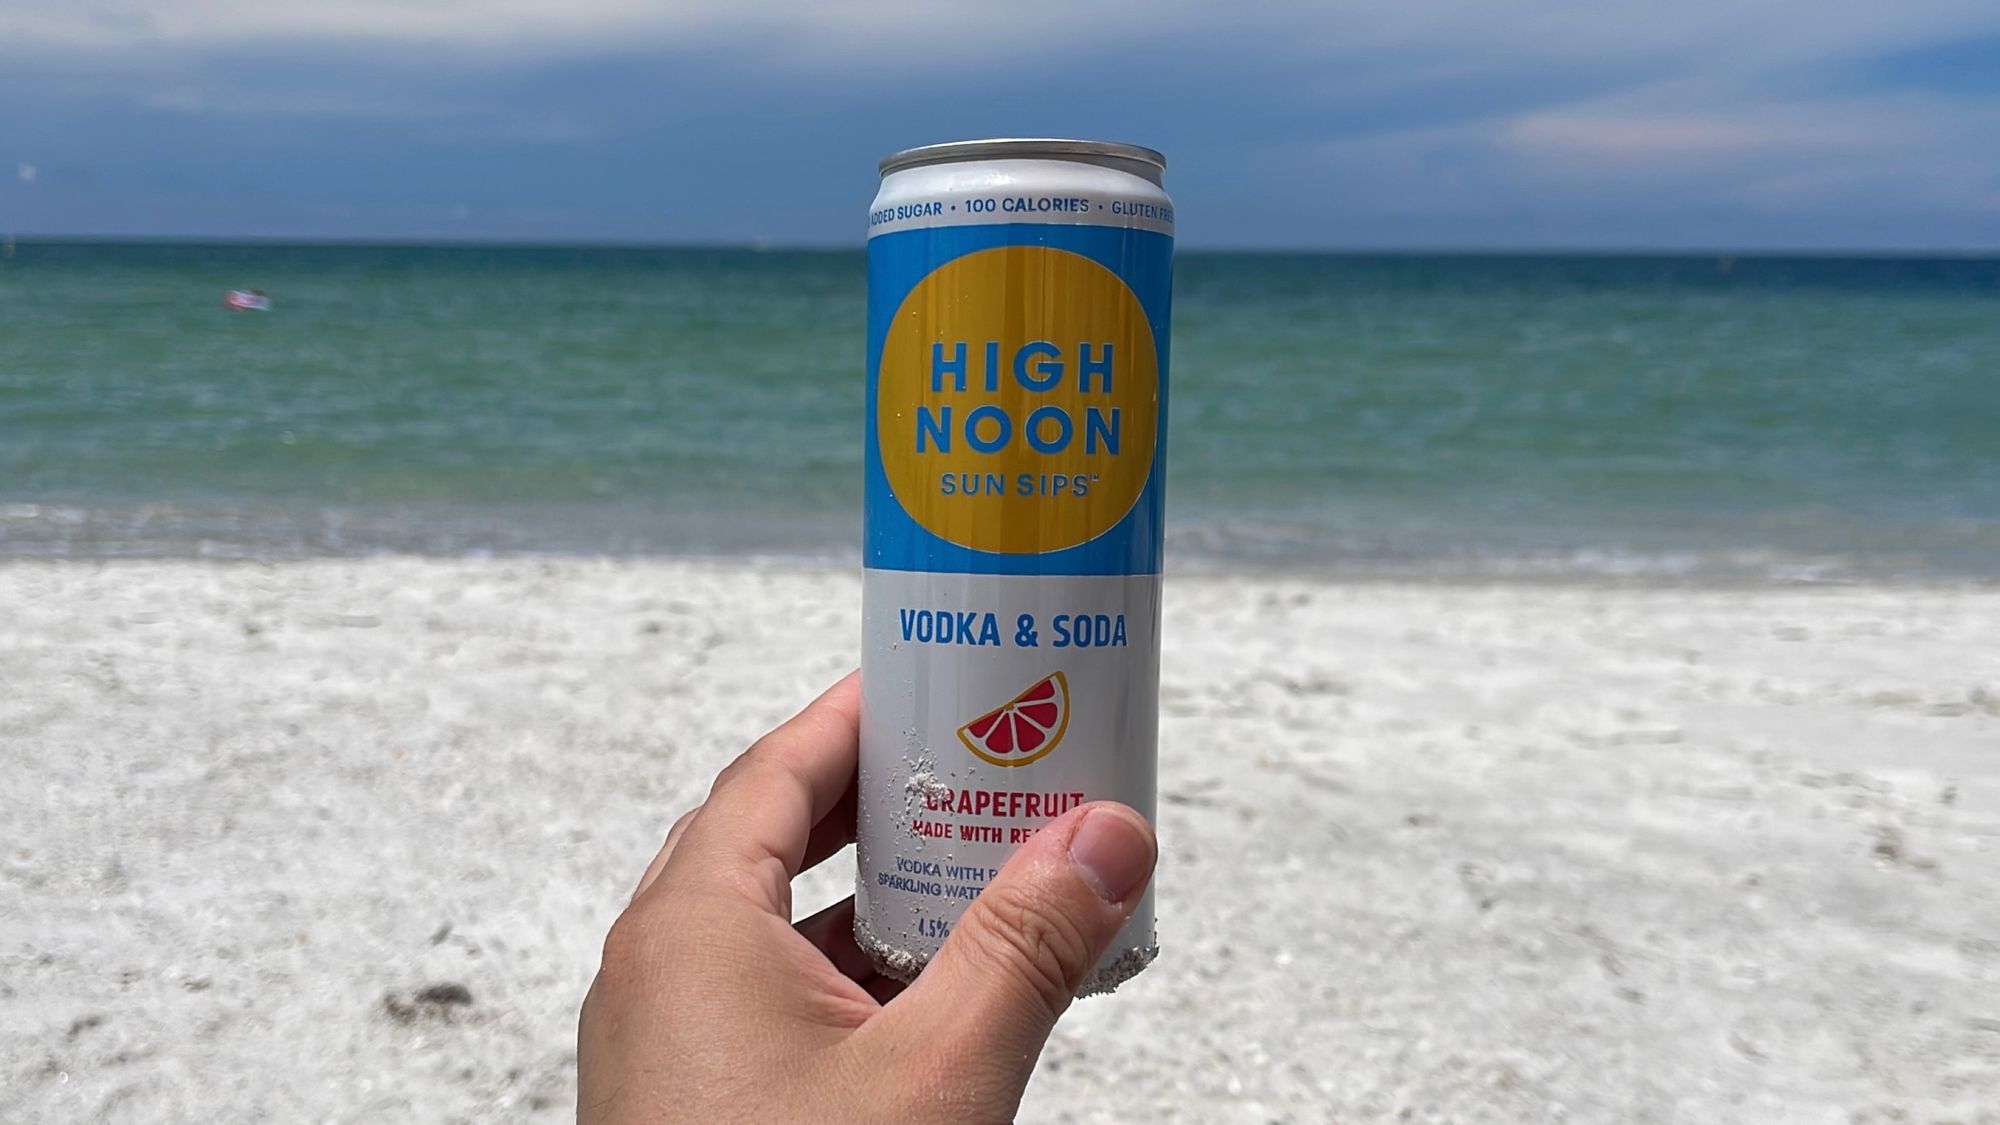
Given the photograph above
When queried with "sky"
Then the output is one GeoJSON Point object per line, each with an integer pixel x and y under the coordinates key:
{"type": "Point", "coordinates": [1420, 124]}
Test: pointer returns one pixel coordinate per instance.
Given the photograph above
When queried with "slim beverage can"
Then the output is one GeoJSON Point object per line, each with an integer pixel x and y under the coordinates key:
{"type": "Point", "coordinates": [1018, 300]}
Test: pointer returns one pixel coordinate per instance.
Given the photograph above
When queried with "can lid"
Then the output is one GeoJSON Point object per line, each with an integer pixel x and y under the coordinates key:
{"type": "Point", "coordinates": [1027, 148]}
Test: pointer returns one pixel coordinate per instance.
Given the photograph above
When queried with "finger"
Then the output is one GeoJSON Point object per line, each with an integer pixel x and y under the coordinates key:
{"type": "Point", "coordinates": [1026, 944]}
{"type": "Point", "coordinates": [659, 863]}
{"type": "Point", "coordinates": [754, 830]}
{"type": "Point", "coordinates": [834, 831]}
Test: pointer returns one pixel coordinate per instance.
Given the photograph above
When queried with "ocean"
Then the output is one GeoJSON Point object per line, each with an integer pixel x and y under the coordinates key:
{"type": "Point", "coordinates": [1452, 416]}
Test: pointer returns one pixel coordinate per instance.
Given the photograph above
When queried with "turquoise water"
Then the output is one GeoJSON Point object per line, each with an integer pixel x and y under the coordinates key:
{"type": "Point", "coordinates": [1371, 414]}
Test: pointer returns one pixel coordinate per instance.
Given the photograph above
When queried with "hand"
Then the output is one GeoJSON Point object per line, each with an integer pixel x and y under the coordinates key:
{"type": "Point", "coordinates": [711, 1006]}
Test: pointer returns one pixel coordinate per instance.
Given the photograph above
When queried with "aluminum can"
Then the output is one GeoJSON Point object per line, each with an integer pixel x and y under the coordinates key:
{"type": "Point", "coordinates": [1018, 301]}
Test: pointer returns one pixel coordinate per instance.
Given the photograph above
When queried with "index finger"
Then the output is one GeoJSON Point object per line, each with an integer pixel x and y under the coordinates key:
{"type": "Point", "coordinates": [753, 830]}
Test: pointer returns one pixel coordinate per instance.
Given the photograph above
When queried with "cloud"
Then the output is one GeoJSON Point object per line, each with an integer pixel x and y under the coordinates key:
{"type": "Point", "coordinates": [112, 24]}
{"type": "Point", "coordinates": [232, 100]}
{"type": "Point", "coordinates": [1342, 122]}
{"type": "Point", "coordinates": [1643, 143]}
{"type": "Point", "coordinates": [1630, 172]}
{"type": "Point", "coordinates": [25, 173]}
{"type": "Point", "coordinates": [542, 27]}
{"type": "Point", "coordinates": [961, 31]}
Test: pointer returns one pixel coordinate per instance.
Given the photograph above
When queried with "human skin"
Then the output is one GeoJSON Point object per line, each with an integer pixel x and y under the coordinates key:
{"type": "Point", "coordinates": [712, 1006]}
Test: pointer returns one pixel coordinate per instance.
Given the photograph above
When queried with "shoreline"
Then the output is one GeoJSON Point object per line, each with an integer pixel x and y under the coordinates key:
{"type": "Point", "coordinates": [1177, 570]}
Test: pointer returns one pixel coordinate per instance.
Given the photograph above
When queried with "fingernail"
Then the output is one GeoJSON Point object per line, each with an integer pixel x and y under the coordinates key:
{"type": "Point", "coordinates": [1113, 852]}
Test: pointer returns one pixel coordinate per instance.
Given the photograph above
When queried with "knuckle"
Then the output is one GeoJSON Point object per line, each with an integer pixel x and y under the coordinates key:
{"type": "Point", "coordinates": [735, 773]}
{"type": "Point", "coordinates": [680, 826]}
{"type": "Point", "coordinates": [756, 770]}
{"type": "Point", "coordinates": [1048, 950]}
{"type": "Point", "coordinates": [628, 944]}
{"type": "Point", "coordinates": [639, 947]}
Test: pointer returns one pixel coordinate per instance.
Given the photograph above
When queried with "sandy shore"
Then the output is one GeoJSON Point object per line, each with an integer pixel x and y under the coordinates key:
{"type": "Point", "coordinates": [337, 841]}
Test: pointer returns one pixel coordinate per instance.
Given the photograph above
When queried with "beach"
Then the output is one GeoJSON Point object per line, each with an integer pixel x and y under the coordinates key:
{"type": "Point", "coordinates": [337, 839]}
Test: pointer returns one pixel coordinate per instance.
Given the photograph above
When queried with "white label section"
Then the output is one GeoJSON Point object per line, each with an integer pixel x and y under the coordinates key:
{"type": "Point", "coordinates": [1018, 191]}
{"type": "Point", "coordinates": [992, 704]}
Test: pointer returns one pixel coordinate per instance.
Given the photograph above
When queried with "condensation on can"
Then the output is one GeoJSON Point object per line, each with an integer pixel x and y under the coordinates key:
{"type": "Point", "coordinates": [1019, 293]}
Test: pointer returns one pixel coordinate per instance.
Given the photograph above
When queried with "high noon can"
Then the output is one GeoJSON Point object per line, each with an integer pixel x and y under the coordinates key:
{"type": "Point", "coordinates": [1018, 295]}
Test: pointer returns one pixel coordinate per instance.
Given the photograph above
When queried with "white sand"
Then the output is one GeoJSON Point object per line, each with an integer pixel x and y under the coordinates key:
{"type": "Point", "coordinates": [1432, 853]}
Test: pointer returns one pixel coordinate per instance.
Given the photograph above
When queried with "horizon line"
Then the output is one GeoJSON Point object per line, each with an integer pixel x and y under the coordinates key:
{"type": "Point", "coordinates": [762, 247]}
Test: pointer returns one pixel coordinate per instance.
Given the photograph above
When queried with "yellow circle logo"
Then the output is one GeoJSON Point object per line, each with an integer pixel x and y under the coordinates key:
{"type": "Point", "coordinates": [1018, 400]}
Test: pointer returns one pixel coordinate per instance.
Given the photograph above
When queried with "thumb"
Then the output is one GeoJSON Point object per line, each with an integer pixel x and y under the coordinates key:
{"type": "Point", "coordinates": [1017, 956]}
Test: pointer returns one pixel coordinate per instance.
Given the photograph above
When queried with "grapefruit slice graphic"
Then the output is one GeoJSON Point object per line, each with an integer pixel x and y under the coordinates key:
{"type": "Point", "coordinates": [1025, 727]}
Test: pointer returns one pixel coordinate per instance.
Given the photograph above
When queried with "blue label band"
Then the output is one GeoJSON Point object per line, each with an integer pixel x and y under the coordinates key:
{"type": "Point", "coordinates": [899, 263]}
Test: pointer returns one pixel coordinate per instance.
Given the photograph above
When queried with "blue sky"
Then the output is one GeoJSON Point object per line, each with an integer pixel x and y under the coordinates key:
{"type": "Point", "coordinates": [1698, 124]}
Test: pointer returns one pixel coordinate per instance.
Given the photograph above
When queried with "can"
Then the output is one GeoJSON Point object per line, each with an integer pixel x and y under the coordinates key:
{"type": "Point", "coordinates": [1018, 301]}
